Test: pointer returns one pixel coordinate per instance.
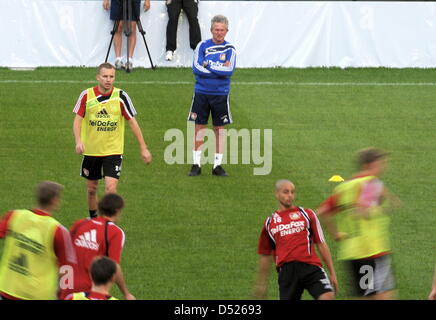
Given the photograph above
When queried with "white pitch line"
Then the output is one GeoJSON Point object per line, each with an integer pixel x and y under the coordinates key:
{"type": "Point", "coordinates": [242, 83]}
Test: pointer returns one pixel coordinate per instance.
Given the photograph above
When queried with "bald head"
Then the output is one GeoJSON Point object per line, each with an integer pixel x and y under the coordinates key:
{"type": "Point", "coordinates": [283, 182]}
{"type": "Point", "coordinates": [285, 193]}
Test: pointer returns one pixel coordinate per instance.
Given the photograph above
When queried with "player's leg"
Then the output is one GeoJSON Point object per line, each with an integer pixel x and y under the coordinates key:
{"type": "Point", "coordinates": [362, 273]}
{"type": "Point", "coordinates": [289, 284]}
{"type": "Point", "coordinates": [199, 113]}
{"type": "Point", "coordinates": [316, 281]}
{"type": "Point", "coordinates": [132, 43]}
{"type": "Point", "coordinates": [221, 116]}
{"type": "Point", "coordinates": [112, 172]}
{"type": "Point", "coordinates": [384, 281]}
{"type": "Point", "coordinates": [92, 187]}
{"type": "Point", "coordinates": [132, 38]}
{"type": "Point", "coordinates": [110, 185]}
{"type": "Point", "coordinates": [116, 14]}
{"type": "Point", "coordinates": [91, 171]}
{"type": "Point", "coordinates": [190, 7]}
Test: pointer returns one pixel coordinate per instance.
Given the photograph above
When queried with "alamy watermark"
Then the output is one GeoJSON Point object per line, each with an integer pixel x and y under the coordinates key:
{"type": "Point", "coordinates": [242, 146]}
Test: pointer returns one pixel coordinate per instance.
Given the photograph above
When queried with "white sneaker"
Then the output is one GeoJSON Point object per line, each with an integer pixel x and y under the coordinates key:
{"type": "Point", "coordinates": [129, 65]}
{"type": "Point", "coordinates": [169, 55]}
{"type": "Point", "coordinates": [119, 64]}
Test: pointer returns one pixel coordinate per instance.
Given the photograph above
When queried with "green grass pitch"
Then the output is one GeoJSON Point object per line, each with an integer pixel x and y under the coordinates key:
{"type": "Point", "coordinates": [196, 238]}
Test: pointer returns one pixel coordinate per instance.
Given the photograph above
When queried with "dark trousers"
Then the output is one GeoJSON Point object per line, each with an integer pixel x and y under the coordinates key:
{"type": "Point", "coordinates": [190, 7]}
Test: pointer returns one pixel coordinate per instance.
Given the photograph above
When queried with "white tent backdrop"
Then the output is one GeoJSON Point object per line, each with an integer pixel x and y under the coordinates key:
{"type": "Point", "coordinates": [265, 34]}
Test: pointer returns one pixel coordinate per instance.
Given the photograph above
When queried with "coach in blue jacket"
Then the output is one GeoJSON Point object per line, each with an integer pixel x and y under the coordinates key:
{"type": "Point", "coordinates": [214, 63]}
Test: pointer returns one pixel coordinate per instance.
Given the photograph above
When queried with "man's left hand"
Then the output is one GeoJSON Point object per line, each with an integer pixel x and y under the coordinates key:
{"type": "Point", "coordinates": [146, 156]}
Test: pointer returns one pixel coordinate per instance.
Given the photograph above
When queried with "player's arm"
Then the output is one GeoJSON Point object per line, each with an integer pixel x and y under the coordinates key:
{"type": "Point", "coordinates": [4, 224]}
{"type": "Point", "coordinates": [390, 201]}
{"type": "Point", "coordinates": [261, 286]}
{"type": "Point", "coordinates": [432, 295]}
{"type": "Point", "coordinates": [121, 283]}
{"type": "Point", "coordinates": [323, 248]}
{"type": "Point", "coordinates": [200, 63]}
{"type": "Point", "coordinates": [77, 126]}
{"type": "Point", "coordinates": [79, 110]}
{"type": "Point", "coordinates": [326, 257]}
{"type": "Point", "coordinates": [326, 213]}
{"type": "Point", "coordinates": [116, 244]}
{"type": "Point", "coordinates": [145, 153]}
{"type": "Point", "coordinates": [265, 250]}
{"type": "Point", "coordinates": [227, 69]}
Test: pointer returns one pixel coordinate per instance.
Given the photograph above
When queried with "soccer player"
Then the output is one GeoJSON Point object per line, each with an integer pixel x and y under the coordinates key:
{"type": "Point", "coordinates": [289, 237]}
{"type": "Point", "coordinates": [36, 246]}
{"type": "Point", "coordinates": [101, 113]}
{"type": "Point", "coordinates": [213, 66]}
{"type": "Point", "coordinates": [353, 215]}
{"type": "Point", "coordinates": [116, 14]}
{"type": "Point", "coordinates": [103, 273]}
{"type": "Point", "coordinates": [99, 237]}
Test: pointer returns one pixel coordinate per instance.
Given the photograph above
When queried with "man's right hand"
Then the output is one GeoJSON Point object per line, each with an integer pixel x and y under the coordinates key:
{"type": "Point", "coordinates": [80, 148]}
{"type": "Point", "coordinates": [106, 4]}
{"type": "Point", "coordinates": [339, 236]}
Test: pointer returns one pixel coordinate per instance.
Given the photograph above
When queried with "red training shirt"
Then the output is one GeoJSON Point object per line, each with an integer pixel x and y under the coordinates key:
{"type": "Point", "coordinates": [93, 238]}
{"type": "Point", "coordinates": [290, 235]}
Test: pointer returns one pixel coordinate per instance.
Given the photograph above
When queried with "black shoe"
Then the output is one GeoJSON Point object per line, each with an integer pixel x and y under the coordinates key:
{"type": "Point", "coordinates": [195, 170]}
{"type": "Point", "coordinates": [219, 171]}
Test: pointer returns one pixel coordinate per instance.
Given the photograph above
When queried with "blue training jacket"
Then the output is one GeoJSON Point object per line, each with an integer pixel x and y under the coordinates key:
{"type": "Point", "coordinates": [215, 77]}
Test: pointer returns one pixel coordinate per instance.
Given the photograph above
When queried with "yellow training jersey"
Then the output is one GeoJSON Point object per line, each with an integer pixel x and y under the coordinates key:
{"type": "Point", "coordinates": [102, 131]}
{"type": "Point", "coordinates": [29, 268]}
{"type": "Point", "coordinates": [367, 234]}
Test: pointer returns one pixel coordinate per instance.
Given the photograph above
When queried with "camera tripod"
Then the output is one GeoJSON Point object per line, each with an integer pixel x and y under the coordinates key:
{"type": "Point", "coordinates": [127, 28]}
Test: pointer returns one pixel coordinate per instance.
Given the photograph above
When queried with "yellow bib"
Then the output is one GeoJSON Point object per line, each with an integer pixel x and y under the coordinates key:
{"type": "Point", "coordinates": [102, 131]}
{"type": "Point", "coordinates": [29, 268]}
{"type": "Point", "coordinates": [367, 236]}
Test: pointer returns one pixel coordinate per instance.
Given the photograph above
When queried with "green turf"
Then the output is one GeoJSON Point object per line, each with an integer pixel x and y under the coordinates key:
{"type": "Point", "coordinates": [196, 238]}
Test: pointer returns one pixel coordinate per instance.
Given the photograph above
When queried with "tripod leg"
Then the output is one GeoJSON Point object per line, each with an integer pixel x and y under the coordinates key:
{"type": "Point", "coordinates": [127, 15]}
{"type": "Point", "coordinates": [141, 30]}
{"type": "Point", "coordinates": [114, 30]}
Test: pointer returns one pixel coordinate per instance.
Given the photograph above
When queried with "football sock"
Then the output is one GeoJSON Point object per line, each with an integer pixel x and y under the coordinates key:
{"type": "Point", "coordinates": [218, 160]}
{"type": "Point", "coordinates": [196, 157]}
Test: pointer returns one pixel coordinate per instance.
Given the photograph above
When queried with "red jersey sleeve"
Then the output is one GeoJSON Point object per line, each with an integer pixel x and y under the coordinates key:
{"type": "Point", "coordinates": [126, 105]}
{"type": "Point", "coordinates": [80, 106]}
{"type": "Point", "coordinates": [265, 243]}
{"type": "Point", "coordinates": [330, 205]}
{"type": "Point", "coordinates": [4, 224]}
{"type": "Point", "coordinates": [116, 240]}
{"type": "Point", "coordinates": [63, 247]}
{"type": "Point", "coordinates": [318, 235]}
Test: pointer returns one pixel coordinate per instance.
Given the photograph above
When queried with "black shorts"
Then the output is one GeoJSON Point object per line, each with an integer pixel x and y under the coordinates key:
{"type": "Point", "coordinates": [205, 104]}
{"type": "Point", "coordinates": [117, 9]}
{"type": "Point", "coordinates": [94, 168]}
{"type": "Point", "coordinates": [371, 276]}
{"type": "Point", "coordinates": [296, 276]}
